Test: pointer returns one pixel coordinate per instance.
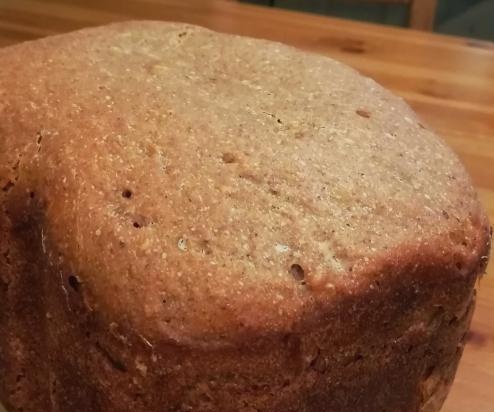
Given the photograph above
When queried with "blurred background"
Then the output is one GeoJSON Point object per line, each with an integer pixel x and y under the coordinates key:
{"type": "Point", "coordinates": [469, 18]}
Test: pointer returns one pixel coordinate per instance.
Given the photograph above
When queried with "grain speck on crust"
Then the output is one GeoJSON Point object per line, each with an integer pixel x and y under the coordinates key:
{"type": "Point", "coordinates": [182, 244]}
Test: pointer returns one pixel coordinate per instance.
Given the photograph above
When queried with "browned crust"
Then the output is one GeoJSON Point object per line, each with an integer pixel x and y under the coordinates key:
{"type": "Point", "coordinates": [391, 347]}
{"type": "Point", "coordinates": [379, 327]}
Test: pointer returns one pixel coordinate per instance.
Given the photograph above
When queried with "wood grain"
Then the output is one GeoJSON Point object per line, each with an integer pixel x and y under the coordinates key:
{"type": "Point", "coordinates": [449, 81]}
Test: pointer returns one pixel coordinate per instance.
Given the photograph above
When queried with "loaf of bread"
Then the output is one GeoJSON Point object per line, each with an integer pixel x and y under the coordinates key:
{"type": "Point", "coordinates": [194, 221]}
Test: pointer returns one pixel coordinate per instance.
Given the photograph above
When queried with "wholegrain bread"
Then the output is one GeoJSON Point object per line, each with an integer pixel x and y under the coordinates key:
{"type": "Point", "coordinates": [194, 221]}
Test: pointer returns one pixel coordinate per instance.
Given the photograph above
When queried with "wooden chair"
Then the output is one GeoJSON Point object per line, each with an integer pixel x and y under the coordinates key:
{"type": "Point", "coordinates": [422, 14]}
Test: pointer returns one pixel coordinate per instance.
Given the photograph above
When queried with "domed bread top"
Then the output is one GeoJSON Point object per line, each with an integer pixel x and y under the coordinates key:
{"type": "Point", "coordinates": [204, 187]}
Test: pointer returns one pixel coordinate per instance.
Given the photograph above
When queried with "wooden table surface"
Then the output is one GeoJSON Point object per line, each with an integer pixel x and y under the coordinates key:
{"type": "Point", "coordinates": [449, 82]}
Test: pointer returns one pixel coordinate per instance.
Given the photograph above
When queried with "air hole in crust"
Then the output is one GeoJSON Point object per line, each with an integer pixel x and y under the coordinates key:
{"type": "Point", "coordinates": [19, 377]}
{"type": "Point", "coordinates": [127, 193]}
{"type": "Point", "coordinates": [9, 185]}
{"type": "Point", "coordinates": [363, 113]}
{"type": "Point", "coordinates": [112, 360]}
{"type": "Point", "coordinates": [297, 272]}
{"type": "Point", "coordinates": [228, 158]}
{"type": "Point", "coordinates": [139, 221]}
{"type": "Point", "coordinates": [74, 283]}
{"type": "Point", "coordinates": [318, 363]}
{"type": "Point", "coordinates": [205, 247]}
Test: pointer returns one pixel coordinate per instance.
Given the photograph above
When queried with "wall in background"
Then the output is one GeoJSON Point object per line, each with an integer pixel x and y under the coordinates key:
{"type": "Point", "coordinates": [475, 21]}
{"type": "Point", "coordinates": [472, 18]}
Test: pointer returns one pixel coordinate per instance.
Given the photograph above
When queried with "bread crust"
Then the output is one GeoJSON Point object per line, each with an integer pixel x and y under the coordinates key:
{"type": "Point", "coordinates": [256, 229]}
